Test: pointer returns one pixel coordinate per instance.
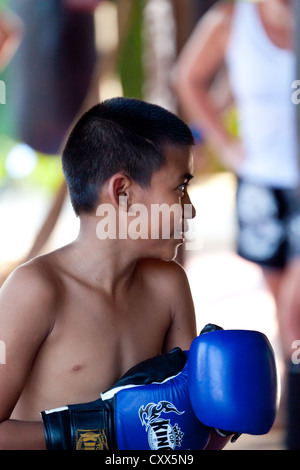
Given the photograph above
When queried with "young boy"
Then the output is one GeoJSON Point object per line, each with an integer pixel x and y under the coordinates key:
{"type": "Point", "coordinates": [75, 320]}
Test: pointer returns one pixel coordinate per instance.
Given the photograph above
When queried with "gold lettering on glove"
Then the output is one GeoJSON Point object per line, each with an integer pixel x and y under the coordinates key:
{"type": "Point", "coordinates": [91, 439]}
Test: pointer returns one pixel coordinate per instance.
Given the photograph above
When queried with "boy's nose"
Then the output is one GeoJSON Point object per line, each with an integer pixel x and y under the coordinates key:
{"type": "Point", "coordinates": [190, 212]}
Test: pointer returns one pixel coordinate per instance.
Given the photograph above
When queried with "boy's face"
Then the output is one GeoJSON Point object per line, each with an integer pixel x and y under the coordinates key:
{"type": "Point", "coordinates": [167, 205]}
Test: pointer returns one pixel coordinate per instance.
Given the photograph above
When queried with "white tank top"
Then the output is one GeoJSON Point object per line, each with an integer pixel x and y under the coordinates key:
{"type": "Point", "coordinates": [261, 76]}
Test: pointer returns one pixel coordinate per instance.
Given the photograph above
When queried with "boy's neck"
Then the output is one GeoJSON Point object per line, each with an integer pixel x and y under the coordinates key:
{"type": "Point", "coordinates": [104, 263]}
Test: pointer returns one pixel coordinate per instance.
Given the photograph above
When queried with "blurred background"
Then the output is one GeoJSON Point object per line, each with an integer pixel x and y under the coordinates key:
{"type": "Point", "coordinates": [62, 56]}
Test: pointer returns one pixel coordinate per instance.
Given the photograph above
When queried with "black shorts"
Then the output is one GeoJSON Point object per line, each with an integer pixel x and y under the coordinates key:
{"type": "Point", "coordinates": [269, 224]}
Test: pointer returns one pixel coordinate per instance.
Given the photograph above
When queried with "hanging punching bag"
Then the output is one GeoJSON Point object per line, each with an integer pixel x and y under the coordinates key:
{"type": "Point", "coordinates": [51, 72]}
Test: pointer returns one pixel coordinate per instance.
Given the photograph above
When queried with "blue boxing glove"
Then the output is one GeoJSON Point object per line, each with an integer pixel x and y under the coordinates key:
{"type": "Point", "coordinates": [233, 381]}
{"type": "Point", "coordinates": [149, 408]}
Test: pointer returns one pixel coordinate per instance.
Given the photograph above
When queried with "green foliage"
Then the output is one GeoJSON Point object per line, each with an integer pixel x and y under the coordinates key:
{"type": "Point", "coordinates": [131, 62]}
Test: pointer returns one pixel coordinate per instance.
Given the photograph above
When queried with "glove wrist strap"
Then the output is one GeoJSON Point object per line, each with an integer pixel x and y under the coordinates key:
{"type": "Point", "coordinates": [89, 426]}
{"type": "Point", "coordinates": [92, 426]}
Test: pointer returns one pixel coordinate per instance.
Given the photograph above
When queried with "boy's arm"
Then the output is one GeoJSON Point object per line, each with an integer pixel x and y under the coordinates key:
{"type": "Point", "coordinates": [25, 322]}
{"type": "Point", "coordinates": [22, 435]}
{"type": "Point", "coordinates": [184, 330]}
{"type": "Point", "coordinates": [183, 320]}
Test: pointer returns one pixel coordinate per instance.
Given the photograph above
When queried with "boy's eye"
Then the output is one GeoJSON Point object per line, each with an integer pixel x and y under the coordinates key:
{"type": "Point", "coordinates": [182, 187]}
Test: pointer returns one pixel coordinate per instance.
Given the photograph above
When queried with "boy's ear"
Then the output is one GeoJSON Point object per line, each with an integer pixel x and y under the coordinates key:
{"type": "Point", "coordinates": [119, 187]}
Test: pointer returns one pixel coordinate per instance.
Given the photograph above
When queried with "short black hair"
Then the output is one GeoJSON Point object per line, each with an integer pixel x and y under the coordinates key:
{"type": "Point", "coordinates": [118, 135]}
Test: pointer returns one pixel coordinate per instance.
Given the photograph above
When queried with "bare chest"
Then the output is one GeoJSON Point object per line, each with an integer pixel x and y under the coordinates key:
{"type": "Point", "coordinates": [91, 346]}
{"type": "Point", "coordinates": [115, 337]}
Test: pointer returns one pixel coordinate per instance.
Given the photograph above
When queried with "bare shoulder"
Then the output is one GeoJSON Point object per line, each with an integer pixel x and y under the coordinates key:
{"type": "Point", "coordinates": [221, 13]}
{"type": "Point", "coordinates": [169, 283]}
{"type": "Point", "coordinates": [31, 288]}
{"type": "Point", "coordinates": [163, 274]}
{"type": "Point", "coordinates": [36, 274]}
{"type": "Point", "coordinates": [169, 280]}
{"type": "Point", "coordinates": [204, 50]}
{"type": "Point", "coordinates": [215, 25]}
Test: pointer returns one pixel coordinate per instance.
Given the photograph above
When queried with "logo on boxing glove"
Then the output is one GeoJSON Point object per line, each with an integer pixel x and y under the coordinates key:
{"type": "Point", "coordinates": [161, 433]}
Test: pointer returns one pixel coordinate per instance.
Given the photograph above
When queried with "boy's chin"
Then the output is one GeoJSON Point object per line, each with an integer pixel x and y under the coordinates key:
{"type": "Point", "coordinates": [166, 252]}
{"type": "Point", "coordinates": [170, 252]}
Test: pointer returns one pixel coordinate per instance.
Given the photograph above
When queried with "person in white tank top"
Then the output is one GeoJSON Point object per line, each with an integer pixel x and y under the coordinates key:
{"type": "Point", "coordinates": [254, 41]}
{"type": "Point", "coordinates": [261, 74]}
